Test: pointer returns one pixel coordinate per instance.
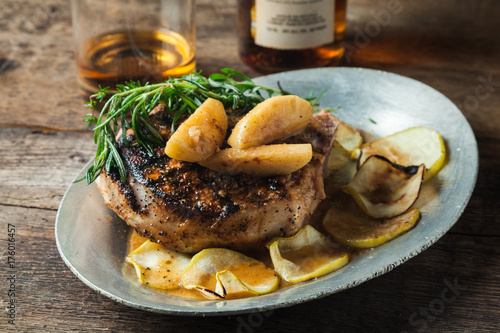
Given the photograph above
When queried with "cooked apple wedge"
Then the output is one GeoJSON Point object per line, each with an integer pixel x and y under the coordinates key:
{"type": "Point", "coordinates": [305, 256]}
{"type": "Point", "coordinates": [158, 267]}
{"type": "Point", "coordinates": [200, 135]}
{"type": "Point", "coordinates": [350, 226]}
{"type": "Point", "coordinates": [267, 160]}
{"type": "Point", "coordinates": [221, 273]}
{"type": "Point", "coordinates": [384, 189]}
{"type": "Point", "coordinates": [414, 146]}
{"type": "Point", "coordinates": [273, 119]}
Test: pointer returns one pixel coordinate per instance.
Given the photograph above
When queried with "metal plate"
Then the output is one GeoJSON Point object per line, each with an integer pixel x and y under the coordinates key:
{"type": "Point", "coordinates": [91, 239]}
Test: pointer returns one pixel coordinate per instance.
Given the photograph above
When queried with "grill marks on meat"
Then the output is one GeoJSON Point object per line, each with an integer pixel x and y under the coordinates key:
{"type": "Point", "coordinates": [188, 207]}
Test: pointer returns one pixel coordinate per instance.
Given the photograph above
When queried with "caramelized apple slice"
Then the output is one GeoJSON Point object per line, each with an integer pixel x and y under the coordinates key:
{"type": "Point", "coordinates": [220, 273]}
{"type": "Point", "coordinates": [384, 189]}
{"type": "Point", "coordinates": [350, 226]}
{"type": "Point", "coordinates": [265, 160]}
{"type": "Point", "coordinates": [305, 256]}
{"type": "Point", "coordinates": [347, 138]}
{"type": "Point", "coordinates": [135, 240]}
{"type": "Point", "coordinates": [231, 286]}
{"type": "Point", "coordinates": [158, 267]}
{"type": "Point", "coordinates": [414, 146]}
{"type": "Point", "coordinates": [200, 135]}
{"type": "Point", "coordinates": [273, 119]}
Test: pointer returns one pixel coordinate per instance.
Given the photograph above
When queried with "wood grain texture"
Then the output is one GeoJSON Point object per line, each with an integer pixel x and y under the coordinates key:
{"type": "Point", "coordinates": [451, 45]}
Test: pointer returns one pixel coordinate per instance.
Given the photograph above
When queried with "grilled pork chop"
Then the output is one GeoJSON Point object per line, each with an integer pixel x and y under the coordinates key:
{"type": "Point", "coordinates": [187, 207]}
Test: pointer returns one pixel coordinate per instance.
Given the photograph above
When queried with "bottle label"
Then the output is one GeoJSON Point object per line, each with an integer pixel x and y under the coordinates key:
{"type": "Point", "coordinates": [294, 24]}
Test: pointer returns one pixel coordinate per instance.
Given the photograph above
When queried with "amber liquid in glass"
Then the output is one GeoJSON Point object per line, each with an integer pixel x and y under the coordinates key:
{"type": "Point", "coordinates": [145, 56]}
{"type": "Point", "coordinates": [269, 60]}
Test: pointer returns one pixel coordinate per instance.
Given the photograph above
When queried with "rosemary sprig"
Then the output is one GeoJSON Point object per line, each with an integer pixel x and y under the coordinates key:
{"type": "Point", "coordinates": [131, 105]}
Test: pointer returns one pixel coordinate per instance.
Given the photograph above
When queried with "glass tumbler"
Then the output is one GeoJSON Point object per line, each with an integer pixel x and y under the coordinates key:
{"type": "Point", "coordinates": [140, 40]}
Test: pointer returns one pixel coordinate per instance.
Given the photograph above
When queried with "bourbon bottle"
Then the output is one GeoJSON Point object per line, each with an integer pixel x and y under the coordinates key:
{"type": "Point", "coordinates": [281, 35]}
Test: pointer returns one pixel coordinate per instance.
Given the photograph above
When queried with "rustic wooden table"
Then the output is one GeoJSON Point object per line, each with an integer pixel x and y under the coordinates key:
{"type": "Point", "coordinates": [451, 45]}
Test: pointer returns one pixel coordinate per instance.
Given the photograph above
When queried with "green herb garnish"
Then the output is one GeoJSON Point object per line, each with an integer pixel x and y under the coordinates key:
{"type": "Point", "coordinates": [131, 105]}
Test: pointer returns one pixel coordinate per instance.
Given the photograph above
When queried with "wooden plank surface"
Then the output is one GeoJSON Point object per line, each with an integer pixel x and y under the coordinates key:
{"type": "Point", "coordinates": [451, 45]}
